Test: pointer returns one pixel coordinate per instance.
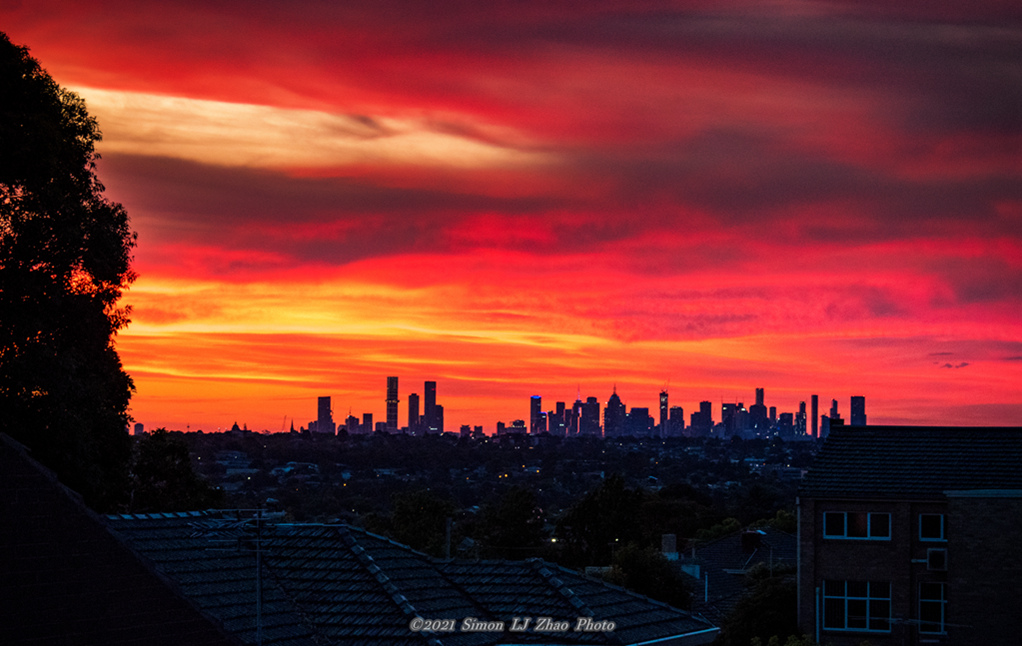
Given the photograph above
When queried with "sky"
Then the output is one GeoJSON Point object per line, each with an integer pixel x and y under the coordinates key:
{"type": "Point", "coordinates": [557, 198]}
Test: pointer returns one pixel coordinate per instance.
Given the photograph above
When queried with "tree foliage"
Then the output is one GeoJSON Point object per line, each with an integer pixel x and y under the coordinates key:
{"type": "Point", "coordinates": [162, 477]}
{"type": "Point", "coordinates": [646, 571]}
{"type": "Point", "coordinates": [65, 254]}
{"type": "Point", "coordinates": [512, 528]}
{"type": "Point", "coordinates": [606, 518]}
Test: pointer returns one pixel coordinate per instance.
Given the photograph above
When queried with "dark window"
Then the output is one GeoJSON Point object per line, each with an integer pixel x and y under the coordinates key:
{"type": "Point", "coordinates": [857, 605]}
{"type": "Point", "coordinates": [931, 527]}
{"type": "Point", "coordinates": [834, 523]}
{"type": "Point", "coordinates": [880, 525]}
{"type": "Point", "coordinates": [856, 524]}
{"type": "Point", "coordinates": [932, 606]}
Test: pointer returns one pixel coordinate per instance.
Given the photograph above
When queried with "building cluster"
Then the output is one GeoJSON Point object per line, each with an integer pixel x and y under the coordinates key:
{"type": "Point", "coordinates": [431, 420]}
{"type": "Point", "coordinates": [583, 419]}
{"type": "Point", "coordinates": [590, 418]}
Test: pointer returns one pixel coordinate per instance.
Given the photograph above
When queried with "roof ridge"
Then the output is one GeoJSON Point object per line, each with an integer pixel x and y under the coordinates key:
{"type": "Point", "coordinates": [540, 567]}
{"type": "Point", "coordinates": [368, 563]}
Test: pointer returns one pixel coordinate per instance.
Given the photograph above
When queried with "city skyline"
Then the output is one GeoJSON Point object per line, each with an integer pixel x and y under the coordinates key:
{"type": "Point", "coordinates": [817, 198]}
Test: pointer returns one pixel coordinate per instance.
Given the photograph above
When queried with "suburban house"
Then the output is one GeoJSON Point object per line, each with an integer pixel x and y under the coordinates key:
{"type": "Point", "coordinates": [912, 535]}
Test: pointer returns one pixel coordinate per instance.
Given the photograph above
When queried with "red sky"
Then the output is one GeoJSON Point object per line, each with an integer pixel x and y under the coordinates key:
{"type": "Point", "coordinates": [519, 198]}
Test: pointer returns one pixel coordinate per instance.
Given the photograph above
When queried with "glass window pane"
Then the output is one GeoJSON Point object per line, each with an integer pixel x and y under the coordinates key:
{"type": "Point", "coordinates": [879, 614]}
{"type": "Point", "coordinates": [834, 523]}
{"type": "Point", "coordinates": [880, 589]}
{"type": "Point", "coordinates": [856, 613]}
{"type": "Point", "coordinates": [834, 613]}
{"type": "Point", "coordinates": [833, 588]}
{"type": "Point", "coordinates": [931, 526]}
{"type": "Point", "coordinates": [880, 525]}
{"type": "Point", "coordinates": [858, 524]}
{"type": "Point", "coordinates": [931, 591]}
{"type": "Point", "coordinates": [857, 589]}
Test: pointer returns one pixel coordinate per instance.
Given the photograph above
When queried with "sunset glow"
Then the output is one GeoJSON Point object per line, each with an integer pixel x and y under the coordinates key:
{"type": "Point", "coordinates": [548, 198]}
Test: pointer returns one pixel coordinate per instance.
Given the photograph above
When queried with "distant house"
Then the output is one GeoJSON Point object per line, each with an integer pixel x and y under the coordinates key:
{"type": "Point", "coordinates": [720, 568]}
{"type": "Point", "coordinates": [69, 576]}
{"type": "Point", "coordinates": [913, 535]}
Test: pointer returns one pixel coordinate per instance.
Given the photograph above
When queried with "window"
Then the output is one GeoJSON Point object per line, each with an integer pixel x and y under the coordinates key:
{"type": "Point", "coordinates": [856, 524]}
{"type": "Point", "coordinates": [932, 607]}
{"type": "Point", "coordinates": [931, 527]}
{"type": "Point", "coordinates": [857, 605]}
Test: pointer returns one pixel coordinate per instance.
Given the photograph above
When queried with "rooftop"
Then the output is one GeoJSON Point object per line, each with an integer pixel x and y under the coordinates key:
{"type": "Point", "coordinates": [914, 462]}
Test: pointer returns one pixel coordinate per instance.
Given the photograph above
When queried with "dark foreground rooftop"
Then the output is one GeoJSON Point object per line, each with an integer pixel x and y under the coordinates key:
{"type": "Point", "coordinates": [920, 462]}
{"type": "Point", "coordinates": [339, 584]}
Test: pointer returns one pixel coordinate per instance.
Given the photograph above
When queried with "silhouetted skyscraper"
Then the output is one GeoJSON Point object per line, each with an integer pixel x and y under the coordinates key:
{"type": "Point", "coordinates": [614, 416]}
{"type": "Point", "coordinates": [325, 417]}
{"type": "Point", "coordinates": [663, 413]}
{"type": "Point", "coordinates": [800, 419]}
{"type": "Point", "coordinates": [392, 404]}
{"type": "Point", "coordinates": [676, 422]}
{"type": "Point", "coordinates": [589, 424]}
{"type": "Point", "coordinates": [413, 414]}
{"type": "Point", "coordinates": [816, 415]}
{"type": "Point", "coordinates": [857, 412]}
{"type": "Point", "coordinates": [430, 412]}
{"type": "Point", "coordinates": [759, 397]}
{"type": "Point", "coordinates": [536, 415]}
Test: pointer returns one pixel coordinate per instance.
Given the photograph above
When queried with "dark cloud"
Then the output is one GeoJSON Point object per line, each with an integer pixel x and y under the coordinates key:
{"type": "Point", "coordinates": [955, 365]}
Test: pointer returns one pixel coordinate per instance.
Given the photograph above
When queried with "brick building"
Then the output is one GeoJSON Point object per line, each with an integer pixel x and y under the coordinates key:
{"type": "Point", "coordinates": [911, 535]}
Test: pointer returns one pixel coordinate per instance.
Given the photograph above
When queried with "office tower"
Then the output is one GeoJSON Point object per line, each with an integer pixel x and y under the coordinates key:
{"type": "Point", "coordinates": [758, 413]}
{"type": "Point", "coordinates": [759, 397]}
{"type": "Point", "coordinates": [614, 416]}
{"type": "Point", "coordinates": [139, 429]}
{"type": "Point", "coordinates": [663, 413]}
{"type": "Point", "coordinates": [325, 417]}
{"type": "Point", "coordinates": [857, 413]}
{"type": "Point", "coordinates": [816, 415]}
{"type": "Point", "coordinates": [800, 420]}
{"type": "Point", "coordinates": [392, 404]}
{"type": "Point", "coordinates": [638, 423]}
{"type": "Point", "coordinates": [773, 414]}
{"type": "Point", "coordinates": [439, 417]}
{"type": "Point", "coordinates": [367, 422]}
{"type": "Point", "coordinates": [589, 424]}
{"type": "Point", "coordinates": [535, 413]}
{"type": "Point", "coordinates": [429, 412]}
{"type": "Point", "coordinates": [413, 414]}
{"type": "Point", "coordinates": [833, 409]}
{"type": "Point", "coordinates": [676, 422]}
{"type": "Point", "coordinates": [352, 425]}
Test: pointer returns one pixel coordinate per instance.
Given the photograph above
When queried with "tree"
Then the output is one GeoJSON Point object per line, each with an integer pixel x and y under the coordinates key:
{"type": "Point", "coordinates": [646, 571]}
{"type": "Point", "coordinates": [513, 527]}
{"type": "Point", "coordinates": [162, 477]}
{"type": "Point", "coordinates": [65, 253]}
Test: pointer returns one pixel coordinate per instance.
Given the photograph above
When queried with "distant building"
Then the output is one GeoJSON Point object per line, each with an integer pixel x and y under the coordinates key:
{"type": "Point", "coordinates": [139, 429]}
{"type": "Point", "coordinates": [614, 416]}
{"type": "Point", "coordinates": [676, 422]}
{"type": "Point", "coordinates": [816, 415]}
{"type": "Point", "coordinates": [413, 414]}
{"type": "Point", "coordinates": [325, 418]}
{"type": "Point", "coordinates": [639, 423]}
{"type": "Point", "coordinates": [663, 413]}
{"type": "Point", "coordinates": [537, 421]}
{"type": "Point", "coordinates": [429, 413]}
{"type": "Point", "coordinates": [857, 412]}
{"type": "Point", "coordinates": [589, 423]}
{"type": "Point", "coordinates": [909, 535]}
{"type": "Point", "coordinates": [392, 402]}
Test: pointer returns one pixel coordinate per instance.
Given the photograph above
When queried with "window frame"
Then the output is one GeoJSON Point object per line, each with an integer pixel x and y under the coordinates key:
{"type": "Point", "coordinates": [869, 526]}
{"type": "Point", "coordinates": [941, 603]}
{"type": "Point", "coordinates": [943, 529]}
{"type": "Point", "coordinates": [847, 598]}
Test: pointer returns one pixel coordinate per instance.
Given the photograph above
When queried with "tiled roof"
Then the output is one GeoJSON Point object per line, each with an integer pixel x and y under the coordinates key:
{"type": "Point", "coordinates": [332, 584]}
{"type": "Point", "coordinates": [65, 580]}
{"type": "Point", "coordinates": [908, 462]}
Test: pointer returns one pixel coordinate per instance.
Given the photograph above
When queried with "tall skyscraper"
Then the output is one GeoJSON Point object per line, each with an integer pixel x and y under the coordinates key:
{"type": "Point", "coordinates": [800, 419]}
{"type": "Point", "coordinates": [536, 415]}
{"type": "Point", "coordinates": [614, 416]}
{"type": "Point", "coordinates": [413, 414]}
{"type": "Point", "coordinates": [392, 404]}
{"type": "Point", "coordinates": [664, 409]}
{"type": "Point", "coordinates": [589, 424]}
{"type": "Point", "coordinates": [759, 397]}
{"type": "Point", "coordinates": [833, 409]}
{"type": "Point", "coordinates": [325, 417]}
{"type": "Point", "coordinates": [429, 413]}
{"type": "Point", "coordinates": [816, 415]}
{"type": "Point", "coordinates": [857, 413]}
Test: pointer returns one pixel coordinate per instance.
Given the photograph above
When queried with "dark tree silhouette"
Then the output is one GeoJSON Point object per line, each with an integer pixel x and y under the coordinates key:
{"type": "Point", "coordinates": [162, 477]}
{"type": "Point", "coordinates": [65, 255]}
{"type": "Point", "coordinates": [512, 528]}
